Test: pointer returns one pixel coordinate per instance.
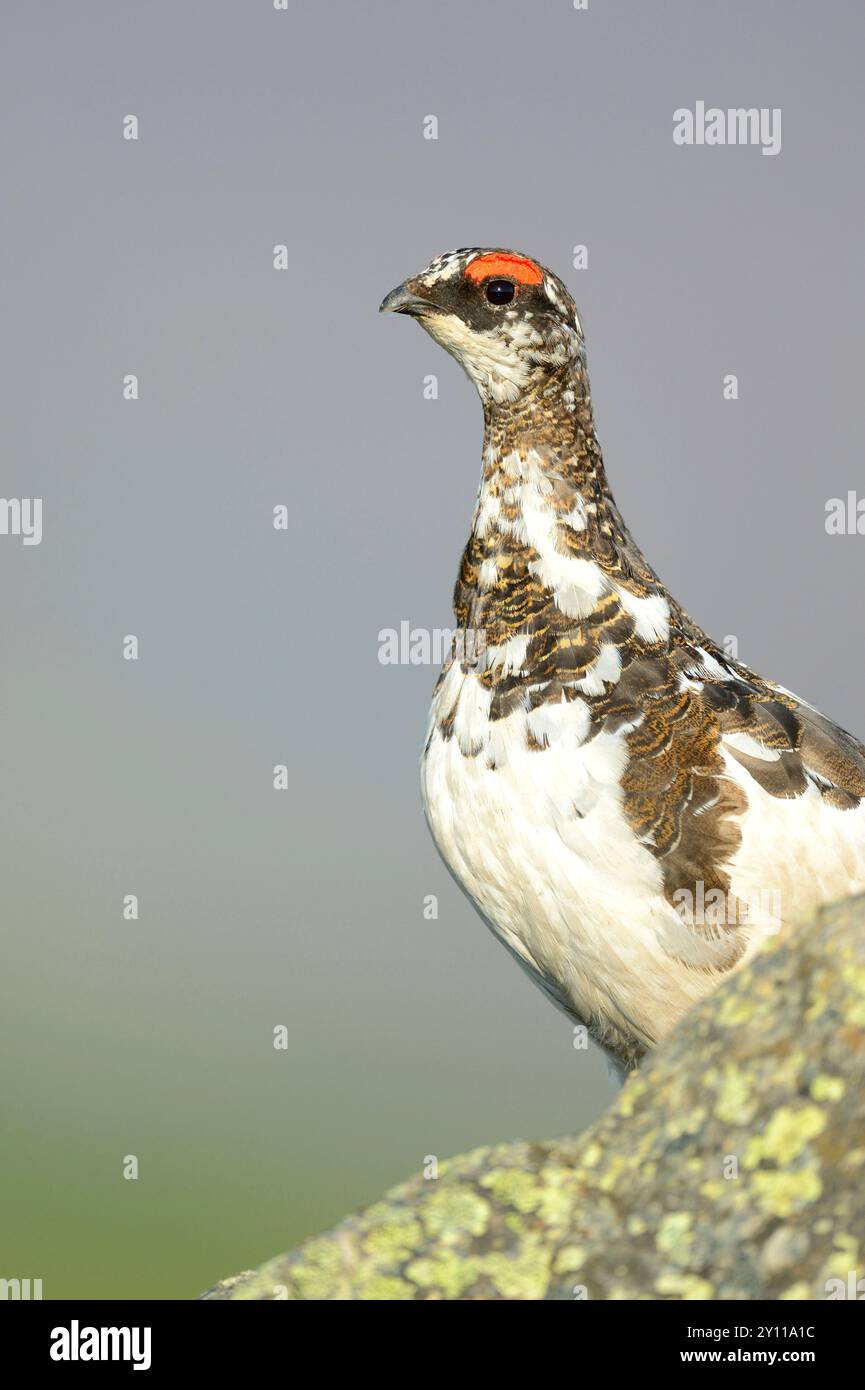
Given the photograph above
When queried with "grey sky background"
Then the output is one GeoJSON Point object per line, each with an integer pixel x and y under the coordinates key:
{"type": "Point", "coordinates": [304, 908]}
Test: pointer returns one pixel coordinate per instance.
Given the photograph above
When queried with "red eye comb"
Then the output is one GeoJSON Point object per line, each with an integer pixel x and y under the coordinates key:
{"type": "Point", "coordinates": [518, 268]}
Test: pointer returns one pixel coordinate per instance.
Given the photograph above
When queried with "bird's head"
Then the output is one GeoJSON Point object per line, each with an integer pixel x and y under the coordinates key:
{"type": "Point", "coordinates": [506, 319]}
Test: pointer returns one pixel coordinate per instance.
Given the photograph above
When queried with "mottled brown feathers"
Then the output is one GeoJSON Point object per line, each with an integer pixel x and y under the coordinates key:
{"type": "Point", "coordinates": [684, 702]}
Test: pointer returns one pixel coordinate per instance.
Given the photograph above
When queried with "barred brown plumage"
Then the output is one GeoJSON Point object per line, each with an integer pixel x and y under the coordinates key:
{"type": "Point", "coordinates": [603, 770]}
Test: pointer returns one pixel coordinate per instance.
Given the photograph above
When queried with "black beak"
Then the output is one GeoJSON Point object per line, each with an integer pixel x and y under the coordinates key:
{"type": "Point", "coordinates": [403, 300]}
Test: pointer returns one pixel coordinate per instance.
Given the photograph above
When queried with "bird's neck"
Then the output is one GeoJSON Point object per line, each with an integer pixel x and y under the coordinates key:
{"type": "Point", "coordinates": [546, 532]}
{"type": "Point", "coordinates": [553, 424]}
{"type": "Point", "coordinates": [543, 485]}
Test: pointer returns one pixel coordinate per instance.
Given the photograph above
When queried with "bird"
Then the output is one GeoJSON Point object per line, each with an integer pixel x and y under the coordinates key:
{"type": "Point", "coordinates": [631, 810]}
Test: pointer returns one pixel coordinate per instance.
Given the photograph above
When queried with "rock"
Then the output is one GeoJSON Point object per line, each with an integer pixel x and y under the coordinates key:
{"type": "Point", "coordinates": [732, 1166]}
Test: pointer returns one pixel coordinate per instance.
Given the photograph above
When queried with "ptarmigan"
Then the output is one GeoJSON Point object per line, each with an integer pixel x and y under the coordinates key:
{"type": "Point", "coordinates": [630, 810]}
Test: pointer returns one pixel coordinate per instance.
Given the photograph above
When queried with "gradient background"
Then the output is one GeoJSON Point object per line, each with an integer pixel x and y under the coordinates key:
{"type": "Point", "coordinates": [258, 647]}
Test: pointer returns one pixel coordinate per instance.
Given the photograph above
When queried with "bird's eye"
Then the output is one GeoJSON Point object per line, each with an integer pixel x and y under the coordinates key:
{"type": "Point", "coordinates": [500, 291]}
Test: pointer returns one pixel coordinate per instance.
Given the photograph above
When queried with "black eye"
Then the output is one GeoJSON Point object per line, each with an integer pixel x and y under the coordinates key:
{"type": "Point", "coordinates": [500, 291]}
